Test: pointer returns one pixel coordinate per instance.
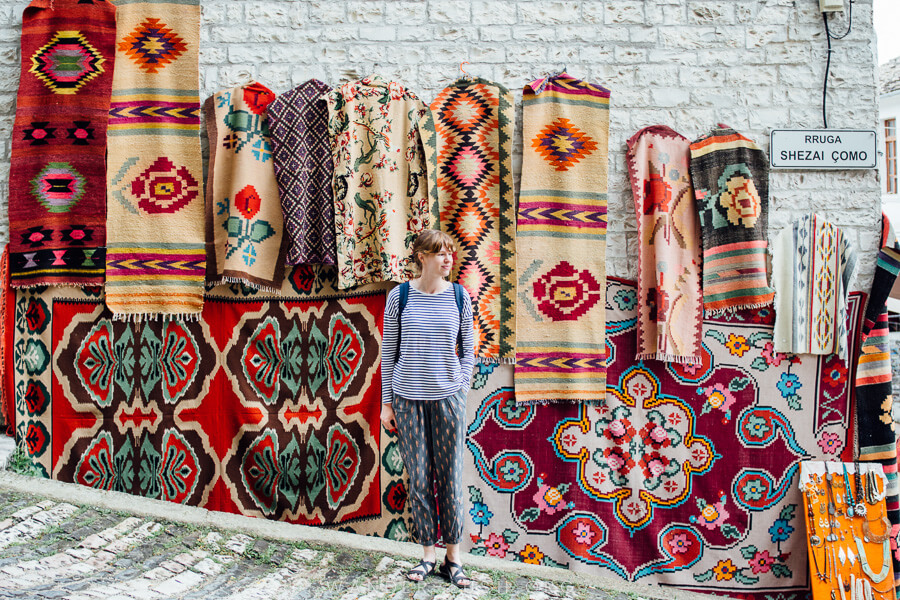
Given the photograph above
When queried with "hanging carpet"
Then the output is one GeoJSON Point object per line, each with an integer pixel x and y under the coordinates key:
{"type": "Point", "coordinates": [686, 476]}
{"type": "Point", "coordinates": [561, 242]}
{"type": "Point", "coordinates": [670, 310]}
{"type": "Point", "coordinates": [156, 256]}
{"type": "Point", "coordinates": [730, 175]}
{"type": "Point", "coordinates": [57, 178]}
{"type": "Point", "coordinates": [298, 125]}
{"type": "Point", "coordinates": [474, 122]}
{"type": "Point", "coordinates": [244, 220]}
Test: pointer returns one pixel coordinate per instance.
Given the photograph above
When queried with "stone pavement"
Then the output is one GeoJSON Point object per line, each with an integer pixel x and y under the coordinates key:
{"type": "Point", "coordinates": [66, 541]}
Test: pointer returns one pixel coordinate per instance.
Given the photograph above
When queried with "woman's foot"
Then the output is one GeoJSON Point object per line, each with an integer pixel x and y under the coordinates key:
{"type": "Point", "coordinates": [453, 572]}
{"type": "Point", "coordinates": [420, 571]}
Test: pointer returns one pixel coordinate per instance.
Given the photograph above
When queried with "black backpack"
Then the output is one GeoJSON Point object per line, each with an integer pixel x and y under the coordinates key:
{"type": "Point", "coordinates": [458, 292]}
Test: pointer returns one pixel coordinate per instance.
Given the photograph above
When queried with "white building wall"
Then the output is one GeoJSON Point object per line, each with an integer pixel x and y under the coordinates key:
{"type": "Point", "coordinates": [889, 109]}
{"type": "Point", "coordinates": [754, 65]}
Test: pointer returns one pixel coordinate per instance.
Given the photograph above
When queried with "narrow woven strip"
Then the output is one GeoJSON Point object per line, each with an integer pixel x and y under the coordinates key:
{"type": "Point", "coordinates": [156, 257]}
{"type": "Point", "coordinates": [7, 341]}
{"type": "Point", "coordinates": [298, 122]}
{"type": "Point", "coordinates": [473, 122]}
{"type": "Point", "coordinates": [670, 302]}
{"type": "Point", "coordinates": [730, 175]}
{"type": "Point", "coordinates": [245, 225]}
{"type": "Point", "coordinates": [812, 263]}
{"type": "Point", "coordinates": [561, 243]}
{"type": "Point", "coordinates": [57, 181]}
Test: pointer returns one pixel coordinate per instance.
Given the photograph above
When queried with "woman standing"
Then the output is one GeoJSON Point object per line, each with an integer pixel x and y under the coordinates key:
{"type": "Point", "coordinates": [425, 380]}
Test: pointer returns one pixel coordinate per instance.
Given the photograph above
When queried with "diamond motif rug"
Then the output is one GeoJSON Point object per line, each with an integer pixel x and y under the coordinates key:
{"type": "Point", "coordinates": [473, 122]}
{"type": "Point", "coordinates": [730, 175]}
{"type": "Point", "coordinates": [298, 123]}
{"type": "Point", "coordinates": [156, 256]}
{"type": "Point", "coordinates": [245, 224]}
{"type": "Point", "coordinates": [670, 309]}
{"type": "Point", "coordinates": [266, 406]}
{"type": "Point", "coordinates": [686, 476]}
{"type": "Point", "coordinates": [57, 179]}
{"type": "Point", "coordinates": [561, 242]}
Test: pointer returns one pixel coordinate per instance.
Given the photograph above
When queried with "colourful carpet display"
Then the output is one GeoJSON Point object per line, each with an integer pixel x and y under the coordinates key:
{"type": "Point", "coordinates": [561, 251]}
{"type": "Point", "coordinates": [57, 178]}
{"type": "Point", "coordinates": [244, 222]}
{"type": "Point", "coordinates": [298, 124]}
{"type": "Point", "coordinates": [686, 476]}
{"type": "Point", "coordinates": [156, 256]}
{"type": "Point", "coordinates": [474, 122]}
{"type": "Point", "coordinates": [265, 406]}
{"type": "Point", "coordinates": [670, 306]}
{"type": "Point", "coordinates": [380, 185]}
{"type": "Point", "coordinates": [730, 175]}
{"type": "Point", "coordinates": [812, 263]}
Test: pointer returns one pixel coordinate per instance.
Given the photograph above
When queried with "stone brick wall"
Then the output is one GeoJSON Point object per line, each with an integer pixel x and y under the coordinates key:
{"type": "Point", "coordinates": [754, 65]}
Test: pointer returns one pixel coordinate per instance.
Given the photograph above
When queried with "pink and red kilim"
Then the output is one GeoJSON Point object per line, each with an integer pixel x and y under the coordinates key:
{"type": "Point", "coordinates": [57, 183]}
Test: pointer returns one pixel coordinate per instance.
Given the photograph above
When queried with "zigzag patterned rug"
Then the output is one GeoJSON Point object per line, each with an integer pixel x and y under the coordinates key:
{"type": "Point", "coordinates": [57, 182]}
{"type": "Point", "coordinates": [156, 257]}
{"type": "Point", "coordinates": [561, 254]}
{"type": "Point", "coordinates": [473, 121]}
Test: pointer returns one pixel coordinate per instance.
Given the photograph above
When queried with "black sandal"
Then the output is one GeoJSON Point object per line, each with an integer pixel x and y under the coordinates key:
{"type": "Point", "coordinates": [423, 570]}
{"type": "Point", "coordinates": [453, 572]}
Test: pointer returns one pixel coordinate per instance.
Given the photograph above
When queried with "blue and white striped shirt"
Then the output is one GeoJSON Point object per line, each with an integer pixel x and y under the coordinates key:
{"type": "Point", "coordinates": [428, 367]}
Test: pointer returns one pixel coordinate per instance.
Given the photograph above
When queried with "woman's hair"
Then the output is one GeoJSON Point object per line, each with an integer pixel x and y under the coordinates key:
{"type": "Point", "coordinates": [431, 241]}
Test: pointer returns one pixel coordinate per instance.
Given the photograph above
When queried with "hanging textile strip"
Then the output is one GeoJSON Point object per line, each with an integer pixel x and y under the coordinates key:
{"type": "Point", "coordinates": [730, 175]}
{"type": "Point", "coordinates": [670, 302]}
{"type": "Point", "coordinates": [473, 121]}
{"type": "Point", "coordinates": [57, 180]}
{"type": "Point", "coordinates": [381, 199]}
{"type": "Point", "coordinates": [561, 257]}
{"type": "Point", "coordinates": [812, 263]}
{"type": "Point", "coordinates": [7, 330]}
{"type": "Point", "coordinates": [298, 124]}
{"type": "Point", "coordinates": [245, 224]}
{"type": "Point", "coordinates": [875, 433]}
{"type": "Point", "coordinates": [156, 258]}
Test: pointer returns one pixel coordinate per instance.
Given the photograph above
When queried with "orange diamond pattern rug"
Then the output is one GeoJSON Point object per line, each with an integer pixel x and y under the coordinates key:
{"type": "Point", "coordinates": [471, 147]}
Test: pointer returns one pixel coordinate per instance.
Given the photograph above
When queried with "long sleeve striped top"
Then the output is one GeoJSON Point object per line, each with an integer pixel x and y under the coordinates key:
{"type": "Point", "coordinates": [428, 367]}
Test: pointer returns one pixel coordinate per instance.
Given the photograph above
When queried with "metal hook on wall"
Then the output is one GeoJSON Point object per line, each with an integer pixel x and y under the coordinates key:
{"type": "Point", "coordinates": [465, 74]}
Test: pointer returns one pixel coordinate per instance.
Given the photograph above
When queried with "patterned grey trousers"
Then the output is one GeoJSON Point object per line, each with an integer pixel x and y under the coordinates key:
{"type": "Point", "coordinates": [431, 434]}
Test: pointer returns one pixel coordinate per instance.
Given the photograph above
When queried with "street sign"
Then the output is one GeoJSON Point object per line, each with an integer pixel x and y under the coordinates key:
{"type": "Point", "coordinates": [822, 149]}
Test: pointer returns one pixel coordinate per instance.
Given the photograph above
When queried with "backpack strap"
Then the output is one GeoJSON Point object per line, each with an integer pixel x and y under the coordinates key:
{"type": "Point", "coordinates": [402, 300]}
{"type": "Point", "coordinates": [458, 291]}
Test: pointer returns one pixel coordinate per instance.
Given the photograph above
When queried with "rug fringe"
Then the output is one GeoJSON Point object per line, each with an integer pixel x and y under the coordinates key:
{"type": "Point", "coordinates": [494, 360]}
{"type": "Point", "coordinates": [545, 402]}
{"type": "Point", "coordinates": [671, 358]}
{"type": "Point", "coordinates": [138, 317]}
{"type": "Point", "coordinates": [29, 286]}
{"type": "Point", "coordinates": [244, 282]}
{"type": "Point", "coordinates": [733, 309]}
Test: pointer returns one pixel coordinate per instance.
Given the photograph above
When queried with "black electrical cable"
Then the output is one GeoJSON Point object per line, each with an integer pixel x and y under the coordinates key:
{"type": "Point", "coordinates": [829, 37]}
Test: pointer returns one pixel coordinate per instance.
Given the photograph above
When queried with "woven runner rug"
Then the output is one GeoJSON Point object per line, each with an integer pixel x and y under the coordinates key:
{"type": "Point", "coordinates": [474, 122]}
{"type": "Point", "coordinates": [686, 476]}
{"type": "Point", "coordinates": [561, 243]}
{"type": "Point", "coordinates": [730, 175]}
{"type": "Point", "coordinates": [380, 185]}
{"type": "Point", "coordinates": [156, 257]}
{"type": "Point", "coordinates": [875, 432]}
{"type": "Point", "coordinates": [670, 310]}
{"type": "Point", "coordinates": [57, 179]}
{"type": "Point", "coordinates": [268, 406]}
{"type": "Point", "coordinates": [245, 225]}
{"type": "Point", "coordinates": [7, 329]}
{"type": "Point", "coordinates": [812, 263]}
{"type": "Point", "coordinates": [298, 125]}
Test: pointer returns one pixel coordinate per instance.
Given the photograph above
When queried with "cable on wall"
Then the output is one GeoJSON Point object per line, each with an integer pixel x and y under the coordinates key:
{"type": "Point", "coordinates": [830, 37]}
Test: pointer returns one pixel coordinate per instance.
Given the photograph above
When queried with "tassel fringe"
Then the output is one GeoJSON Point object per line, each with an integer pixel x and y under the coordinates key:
{"type": "Point", "coordinates": [719, 312]}
{"type": "Point", "coordinates": [139, 317]}
{"type": "Point", "coordinates": [494, 360]}
{"type": "Point", "coordinates": [244, 282]}
{"type": "Point", "coordinates": [670, 358]}
{"type": "Point", "coordinates": [559, 401]}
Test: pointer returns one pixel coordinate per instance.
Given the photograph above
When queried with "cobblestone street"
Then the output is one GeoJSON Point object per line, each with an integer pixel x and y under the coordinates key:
{"type": "Point", "coordinates": [78, 551]}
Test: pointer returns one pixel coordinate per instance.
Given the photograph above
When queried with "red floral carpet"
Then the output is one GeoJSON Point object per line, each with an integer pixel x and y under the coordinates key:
{"type": "Point", "coordinates": [685, 477]}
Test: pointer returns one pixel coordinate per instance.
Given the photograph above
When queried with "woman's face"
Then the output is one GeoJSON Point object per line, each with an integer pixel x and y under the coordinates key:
{"type": "Point", "coordinates": [440, 262]}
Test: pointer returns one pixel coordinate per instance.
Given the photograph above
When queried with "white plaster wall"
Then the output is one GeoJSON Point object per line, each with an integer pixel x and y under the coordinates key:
{"type": "Point", "coordinates": [754, 65]}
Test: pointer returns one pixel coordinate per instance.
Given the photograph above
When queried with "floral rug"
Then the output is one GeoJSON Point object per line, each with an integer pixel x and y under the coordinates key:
{"type": "Point", "coordinates": [685, 476]}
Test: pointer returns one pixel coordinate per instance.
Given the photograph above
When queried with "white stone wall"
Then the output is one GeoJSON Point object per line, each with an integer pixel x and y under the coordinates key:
{"type": "Point", "coordinates": [754, 65]}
